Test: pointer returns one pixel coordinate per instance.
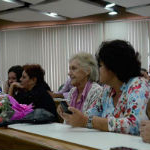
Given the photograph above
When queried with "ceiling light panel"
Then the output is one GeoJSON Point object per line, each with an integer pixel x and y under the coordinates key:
{"type": "Point", "coordinates": [113, 13]}
{"type": "Point", "coordinates": [110, 5]}
{"type": "Point", "coordinates": [27, 15]}
{"type": "Point", "coordinates": [6, 5]}
{"type": "Point", "coordinates": [71, 8]}
{"type": "Point", "coordinates": [129, 3]}
{"type": "Point", "coordinates": [33, 1]}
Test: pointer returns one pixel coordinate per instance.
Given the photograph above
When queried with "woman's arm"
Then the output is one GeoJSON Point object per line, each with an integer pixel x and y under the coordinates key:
{"type": "Point", "coordinates": [12, 86]}
{"type": "Point", "coordinates": [145, 131]}
{"type": "Point", "coordinates": [78, 119]}
{"type": "Point", "coordinates": [100, 123]}
{"type": "Point", "coordinates": [6, 87]}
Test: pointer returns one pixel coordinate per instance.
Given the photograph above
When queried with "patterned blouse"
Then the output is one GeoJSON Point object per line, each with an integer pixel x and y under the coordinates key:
{"type": "Point", "coordinates": [130, 108]}
{"type": "Point", "coordinates": [91, 94]}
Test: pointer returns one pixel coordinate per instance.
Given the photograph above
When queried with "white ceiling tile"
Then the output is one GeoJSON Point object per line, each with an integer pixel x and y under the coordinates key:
{"type": "Point", "coordinates": [129, 3]}
{"type": "Point", "coordinates": [6, 5]}
{"type": "Point", "coordinates": [71, 8]}
{"type": "Point", "coordinates": [27, 15]}
{"type": "Point", "coordinates": [143, 11]}
{"type": "Point", "coordinates": [33, 1]}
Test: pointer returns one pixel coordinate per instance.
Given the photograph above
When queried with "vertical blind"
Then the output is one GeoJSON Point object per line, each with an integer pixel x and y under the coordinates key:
{"type": "Point", "coordinates": [138, 36]}
{"type": "Point", "coordinates": [51, 47]}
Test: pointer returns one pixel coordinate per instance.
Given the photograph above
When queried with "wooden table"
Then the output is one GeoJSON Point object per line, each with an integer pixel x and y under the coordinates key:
{"type": "Point", "coordinates": [58, 136]}
{"type": "Point", "coordinates": [11, 139]}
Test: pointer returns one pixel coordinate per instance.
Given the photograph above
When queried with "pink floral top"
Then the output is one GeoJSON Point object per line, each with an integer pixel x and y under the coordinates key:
{"type": "Point", "coordinates": [130, 109]}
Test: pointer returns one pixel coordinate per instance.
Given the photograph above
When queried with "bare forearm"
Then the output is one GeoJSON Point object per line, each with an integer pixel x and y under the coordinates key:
{"type": "Point", "coordinates": [6, 87]}
{"type": "Point", "coordinates": [100, 123]}
{"type": "Point", "coordinates": [78, 119]}
{"type": "Point", "coordinates": [12, 86]}
{"type": "Point", "coordinates": [10, 91]}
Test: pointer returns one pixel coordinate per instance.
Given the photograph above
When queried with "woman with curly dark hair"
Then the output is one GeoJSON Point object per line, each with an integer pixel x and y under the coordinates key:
{"type": "Point", "coordinates": [14, 75]}
{"type": "Point", "coordinates": [34, 89]}
{"type": "Point", "coordinates": [122, 104]}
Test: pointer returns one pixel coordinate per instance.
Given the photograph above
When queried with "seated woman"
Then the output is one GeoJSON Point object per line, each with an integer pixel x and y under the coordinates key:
{"type": "Point", "coordinates": [34, 89]}
{"type": "Point", "coordinates": [14, 75]}
{"type": "Point", "coordinates": [122, 104]}
{"type": "Point", "coordinates": [83, 72]}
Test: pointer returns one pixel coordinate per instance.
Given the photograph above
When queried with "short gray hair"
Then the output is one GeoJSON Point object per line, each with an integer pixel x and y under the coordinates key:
{"type": "Point", "coordinates": [87, 61]}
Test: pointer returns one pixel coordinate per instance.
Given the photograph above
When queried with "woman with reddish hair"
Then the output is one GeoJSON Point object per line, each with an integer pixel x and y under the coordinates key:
{"type": "Point", "coordinates": [34, 89]}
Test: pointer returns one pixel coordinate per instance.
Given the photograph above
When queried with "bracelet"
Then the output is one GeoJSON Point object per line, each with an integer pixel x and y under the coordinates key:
{"type": "Point", "coordinates": [89, 122]}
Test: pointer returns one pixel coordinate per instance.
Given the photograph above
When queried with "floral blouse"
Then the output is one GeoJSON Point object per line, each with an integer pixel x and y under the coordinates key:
{"type": "Point", "coordinates": [130, 109]}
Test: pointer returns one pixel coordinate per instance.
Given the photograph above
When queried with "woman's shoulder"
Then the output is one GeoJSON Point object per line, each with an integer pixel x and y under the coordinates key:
{"type": "Point", "coordinates": [138, 80]}
{"type": "Point", "coordinates": [38, 90]}
{"type": "Point", "coordinates": [95, 89]}
{"type": "Point", "coordinates": [138, 83]}
{"type": "Point", "coordinates": [96, 86]}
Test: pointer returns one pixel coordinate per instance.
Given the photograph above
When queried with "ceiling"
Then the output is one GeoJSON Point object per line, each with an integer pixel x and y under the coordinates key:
{"type": "Point", "coordinates": [35, 10]}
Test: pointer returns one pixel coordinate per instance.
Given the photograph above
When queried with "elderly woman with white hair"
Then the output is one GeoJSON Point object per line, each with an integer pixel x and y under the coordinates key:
{"type": "Point", "coordinates": [83, 72]}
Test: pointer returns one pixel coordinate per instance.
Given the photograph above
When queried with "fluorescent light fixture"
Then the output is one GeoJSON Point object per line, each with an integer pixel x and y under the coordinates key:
{"type": "Point", "coordinates": [9, 1]}
{"type": "Point", "coordinates": [52, 14]}
{"type": "Point", "coordinates": [110, 5]}
{"type": "Point", "coordinates": [113, 13]}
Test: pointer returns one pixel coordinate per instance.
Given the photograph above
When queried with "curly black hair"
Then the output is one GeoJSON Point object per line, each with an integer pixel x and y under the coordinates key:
{"type": "Point", "coordinates": [17, 70]}
{"type": "Point", "coordinates": [119, 56]}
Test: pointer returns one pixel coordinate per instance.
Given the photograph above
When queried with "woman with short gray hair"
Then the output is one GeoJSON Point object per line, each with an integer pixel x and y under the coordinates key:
{"type": "Point", "coordinates": [87, 62]}
{"type": "Point", "coordinates": [83, 72]}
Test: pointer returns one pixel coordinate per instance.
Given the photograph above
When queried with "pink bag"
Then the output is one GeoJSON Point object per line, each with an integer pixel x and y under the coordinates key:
{"type": "Point", "coordinates": [21, 110]}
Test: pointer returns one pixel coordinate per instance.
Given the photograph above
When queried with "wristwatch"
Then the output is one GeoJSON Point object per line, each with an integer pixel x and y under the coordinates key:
{"type": "Point", "coordinates": [89, 122]}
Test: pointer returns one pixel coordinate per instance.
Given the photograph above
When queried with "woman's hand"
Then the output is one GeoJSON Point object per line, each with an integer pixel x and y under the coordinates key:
{"type": "Point", "coordinates": [76, 119]}
{"type": "Point", "coordinates": [12, 86]}
{"type": "Point", "coordinates": [60, 111]}
{"type": "Point", "coordinates": [145, 131]}
{"type": "Point", "coordinates": [16, 85]}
